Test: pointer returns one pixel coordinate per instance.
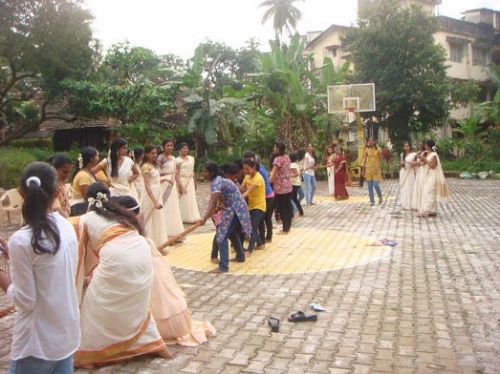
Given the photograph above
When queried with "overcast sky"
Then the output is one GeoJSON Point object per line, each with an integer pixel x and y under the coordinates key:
{"type": "Point", "coordinates": [178, 26]}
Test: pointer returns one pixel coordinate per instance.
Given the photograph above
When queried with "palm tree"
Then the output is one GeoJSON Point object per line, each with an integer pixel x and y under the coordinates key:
{"type": "Point", "coordinates": [284, 13]}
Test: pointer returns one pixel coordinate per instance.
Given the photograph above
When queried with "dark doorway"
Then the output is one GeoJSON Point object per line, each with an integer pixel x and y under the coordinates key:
{"type": "Point", "coordinates": [66, 139]}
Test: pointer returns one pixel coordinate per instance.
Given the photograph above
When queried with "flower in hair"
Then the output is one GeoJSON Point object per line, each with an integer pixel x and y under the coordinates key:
{"type": "Point", "coordinates": [80, 161]}
{"type": "Point", "coordinates": [98, 200]}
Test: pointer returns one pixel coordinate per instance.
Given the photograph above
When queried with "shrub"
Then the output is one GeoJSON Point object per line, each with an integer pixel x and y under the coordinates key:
{"type": "Point", "coordinates": [445, 148]}
{"type": "Point", "coordinates": [33, 143]}
{"type": "Point", "coordinates": [14, 160]}
{"type": "Point", "coordinates": [472, 166]}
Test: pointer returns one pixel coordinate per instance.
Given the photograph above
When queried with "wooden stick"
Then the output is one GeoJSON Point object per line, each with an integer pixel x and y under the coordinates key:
{"type": "Point", "coordinates": [180, 236]}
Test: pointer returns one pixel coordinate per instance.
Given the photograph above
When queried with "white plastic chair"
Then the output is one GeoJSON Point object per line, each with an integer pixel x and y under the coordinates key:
{"type": "Point", "coordinates": [11, 202]}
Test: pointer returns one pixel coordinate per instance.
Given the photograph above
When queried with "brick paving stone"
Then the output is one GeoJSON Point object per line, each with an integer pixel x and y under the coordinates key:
{"type": "Point", "coordinates": [429, 306]}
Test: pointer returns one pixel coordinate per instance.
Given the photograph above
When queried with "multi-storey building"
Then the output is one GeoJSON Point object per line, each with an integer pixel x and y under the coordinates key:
{"type": "Point", "coordinates": [472, 44]}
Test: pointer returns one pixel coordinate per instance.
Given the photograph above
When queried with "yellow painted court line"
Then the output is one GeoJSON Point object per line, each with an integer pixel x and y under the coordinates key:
{"type": "Point", "coordinates": [304, 250]}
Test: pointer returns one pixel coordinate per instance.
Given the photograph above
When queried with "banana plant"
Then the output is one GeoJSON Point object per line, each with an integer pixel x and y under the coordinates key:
{"type": "Point", "coordinates": [210, 119]}
{"type": "Point", "coordinates": [283, 82]}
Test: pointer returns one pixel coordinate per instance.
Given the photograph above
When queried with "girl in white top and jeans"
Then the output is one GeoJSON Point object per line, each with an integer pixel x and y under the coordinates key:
{"type": "Point", "coordinates": [43, 259]}
{"type": "Point", "coordinates": [308, 174]}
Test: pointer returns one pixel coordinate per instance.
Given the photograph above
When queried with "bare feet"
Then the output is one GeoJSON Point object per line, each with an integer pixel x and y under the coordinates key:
{"type": "Point", "coordinates": [247, 254]}
{"type": "Point", "coordinates": [214, 260]}
{"type": "Point", "coordinates": [166, 354]}
{"type": "Point", "coordinates": [260, 247]}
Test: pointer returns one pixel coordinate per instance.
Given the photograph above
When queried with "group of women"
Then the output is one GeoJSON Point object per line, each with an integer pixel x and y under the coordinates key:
{"type": "Point", "coordinates": [89, 283]}
{"type": "Point", "coordinates": [244, 197]}
{"type": "Point", "coordinates": [422, 181]}
{"type": "Point", "coordinates": [87, 278]}
{"type": "Point", "coordinates": [163, 185]}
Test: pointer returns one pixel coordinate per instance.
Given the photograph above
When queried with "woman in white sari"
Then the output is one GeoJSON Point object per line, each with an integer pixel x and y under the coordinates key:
{"type": "Point", "coordinates": [139, 182]}
{"type": "Point", "coordinates": [119, 168]}
{"type": "Point", "coordinates": [115, 263]}
{"type": "Point", "coordinates": [435, 187]}
{"type": "Point", "coordinates": [418, 165]}
{"type": "Point", "coordinates": [152, 207]}
{"type": "Point", "coordinates": [190, 212]}
{"type": "Point", "coordinates": [406, 176]}
{"type": "Point", "coordinates": [168, 302]}
{"type": "Point", "coordinates": [330, 169]}
{"type": "Point", "coordinates": [171, 189]}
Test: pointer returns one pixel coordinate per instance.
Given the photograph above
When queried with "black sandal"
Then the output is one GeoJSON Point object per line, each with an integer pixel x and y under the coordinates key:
{"type": "Point", "coordinates": [274, 324]}
{"type": "Point", "coordinates": [302, 317]}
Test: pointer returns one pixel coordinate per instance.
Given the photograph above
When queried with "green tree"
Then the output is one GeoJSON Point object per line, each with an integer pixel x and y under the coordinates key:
{"type": "Point", "coordinates": [42, 42]}
{"type": "Point", "coordinates": [212, 115]}
{"type": "Point", "coordinates": [287, 86]}
{"type": "Point", "coordinates": [284, 13]}
{"type": "Point", "coordinates": [394, 48]}
{"type": "Point", "coordinates": [134, 86]}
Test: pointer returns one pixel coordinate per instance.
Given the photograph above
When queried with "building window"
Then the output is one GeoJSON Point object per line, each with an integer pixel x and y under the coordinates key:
{"type": "Point", "coordinates": [479, 56]}
{"type": "Point", "coordinates": [456, 52]}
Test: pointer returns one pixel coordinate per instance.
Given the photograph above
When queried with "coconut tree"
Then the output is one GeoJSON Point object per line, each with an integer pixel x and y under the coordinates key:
{"type": "Point", "coordinates": [284, 13]}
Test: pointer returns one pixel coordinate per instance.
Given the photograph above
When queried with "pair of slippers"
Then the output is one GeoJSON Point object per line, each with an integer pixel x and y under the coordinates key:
{"type": "Point", "coordinates": [274, 323]}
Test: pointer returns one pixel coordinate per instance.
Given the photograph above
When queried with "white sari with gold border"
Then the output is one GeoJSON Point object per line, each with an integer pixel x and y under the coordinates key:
{"type": "Point", "coordinates": [116, 322]}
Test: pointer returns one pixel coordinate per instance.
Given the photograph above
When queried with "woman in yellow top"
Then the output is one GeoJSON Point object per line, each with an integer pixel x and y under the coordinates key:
{"type": "Point", "coordinates": [372, 161]}
{"type": "Point", "coordinates": [63, 166]}
{"type": "Point", "coordinates": [87, 159]}
{"type": "Point", "coordinates": [254, 190]}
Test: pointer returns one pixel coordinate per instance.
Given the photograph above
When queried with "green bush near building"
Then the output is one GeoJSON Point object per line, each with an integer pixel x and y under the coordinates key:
{"type": "Point", "coordinates": [14, 158]}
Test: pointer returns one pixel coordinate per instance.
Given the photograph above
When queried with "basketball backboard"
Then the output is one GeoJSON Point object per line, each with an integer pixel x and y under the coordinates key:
{"type": "Point", "coordinates": [357, 97]}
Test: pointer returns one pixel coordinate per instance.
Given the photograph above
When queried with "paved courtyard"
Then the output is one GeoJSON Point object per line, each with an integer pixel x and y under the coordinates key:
{"type": "Point", "coordinates": [428, 305]}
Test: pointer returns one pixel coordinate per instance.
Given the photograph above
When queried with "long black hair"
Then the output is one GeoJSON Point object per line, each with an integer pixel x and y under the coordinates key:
{"type": "Point", "coordinates": [138, 153]}
{"type": "Point", "coordinates": [128, 202]}
{"type": "Point", "coordinates": [281, 148]}
{"type": "Point", "coordinates": [109, 208]}
{"type": "Point", "coordinates": [431, 144]}
{"type": "Point", "coordinates": [113, 154]}
{"type": "Point", "coordinates": [38, 187]}
{"type": "Point", "coordinates": [86, 155]}
{"type": "Point", "coordinates": [212, 168]}
{"type": "Point", "coordinates": [148, 149]}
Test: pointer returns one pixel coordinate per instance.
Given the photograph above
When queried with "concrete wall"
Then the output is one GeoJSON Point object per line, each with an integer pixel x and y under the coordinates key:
{"type": "Point", "coordinates": [465, 69]}
{"type": "Point", "coordinates": [320, 51]}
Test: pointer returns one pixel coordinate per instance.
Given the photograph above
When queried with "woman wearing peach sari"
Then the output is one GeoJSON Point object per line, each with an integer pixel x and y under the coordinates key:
{"type": "Point", "coordinates": [115, 263]}
{"type": "Point", "coordinates": [168, 302]}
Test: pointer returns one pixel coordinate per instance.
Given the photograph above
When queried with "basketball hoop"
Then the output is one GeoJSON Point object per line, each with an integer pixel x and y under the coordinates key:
{"type": "Point", "coordinates": [349, 100]}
